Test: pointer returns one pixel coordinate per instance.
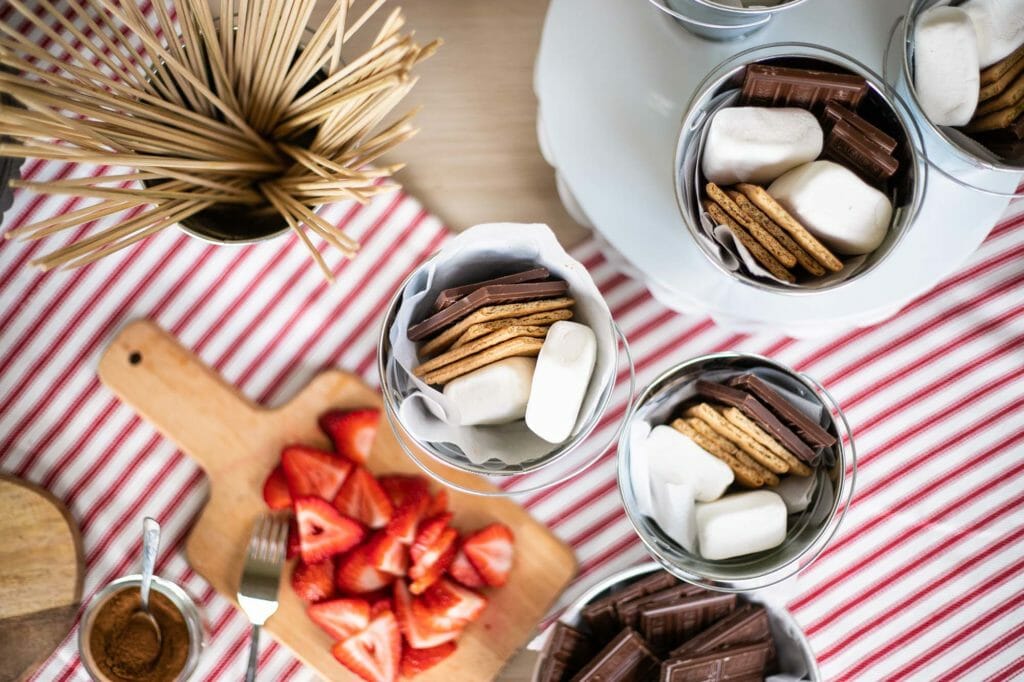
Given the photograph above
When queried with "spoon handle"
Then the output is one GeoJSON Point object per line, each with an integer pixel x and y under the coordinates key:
{"type": "Point", "coordinates": [150, 545]}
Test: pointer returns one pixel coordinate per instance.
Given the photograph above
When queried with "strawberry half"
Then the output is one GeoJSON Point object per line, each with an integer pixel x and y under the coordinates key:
{"type": "Point", "coordinates": [323, 532]}
{"type": "Point", "coordinates": [294, 546]}
{"type": "Point", "coordinates": [490, 551]}
{"type": "Point", "coordinates": [450, 605]}
{"type": "Point", "coordinates": [340, 618]}
{"type": "Point", "coordinates": [415, 661]}
{"type": "Point", "coordinates": [407, 516]}
{"type": "Point", "coordinates": [462, 570]}
{"type": "Point", "coordinates": [362, 498]}
{"type": "Point", "coordinates": [314, 582]}
{"type": "Point", "coordinates": [427, 534]}
{"type": "Point", "coordinates": [312, 472]}
{"type": "Point", "coordinates": [375, 652]}
{"type": "Point", "coordinates": [388, 554]}
{"type": "Point", "coordinates": [357, 575]}
{"type": "Point", "coordinates": [275, 490]}
{"type": "Point", "coordinates": [351, 431]}
{"type": "Point", "coordinates": [432, 564]}
{"type": "Point", "coordinates": [418, 627]}
{"type": "Point", "coordinates": [402, 488]}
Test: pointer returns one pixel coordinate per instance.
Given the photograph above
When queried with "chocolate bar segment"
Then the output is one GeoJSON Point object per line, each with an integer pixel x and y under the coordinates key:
{"type": "Point", "coordinates": [452, 294]}
{"type": "Point", "coordinates": [493, 294]}
{"type": "Point", "coordinates": [628, 612]}
{"type": "Point", "coordinates": [601, 615]}
{"type": "Point", "coordinates": [779, 86]}
{"type": "Point", "coordinates": [735, 663]}
{"type": "Point", "coordinates": [836, 112]}
{"type": "Point", "coordinates": [627, 658]}
{"type": "Point", "coordinates": [807, 428]}
{"type": "Point", "coordinates": [746, 625]}
{"type": "Point", "coordinates": [566, 652]}
{"type": "Point", "coordinates": [665, 626]}
{"type": "Point", "coordinates": [851, 148]}
{"type": "Point", "coordinates": [761, 415]}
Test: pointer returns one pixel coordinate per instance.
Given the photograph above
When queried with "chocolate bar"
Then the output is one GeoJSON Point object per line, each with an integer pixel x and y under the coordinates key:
{"type": "Point", "coordinates": [627, 658]}
{"type": "Point", "coordinates": [779, 86]}
{"type": "Point", "coordinates": [665, 626]}
{"type": "Point", "coordinates": [761, 415]}
{"type": "Point", "coordinates": [855, 150]}
{"type": "Point", "coordinates": [489, 295]}
{"type": "Point", "coordinates": [628, 612]}
{"type": "Point", "coordinates": [601, 615]}
{"type": "Point", "coordinates": [836, 112]}
{"type": "Point", "coordinates": [746, 625]}
{"type": "Point", "coordinates": [566, 652]}
{"type": "Point", "coordinates": [807, 428]}
{"type": "Point", "coordinates": [743, 662]}
{"type": "Point", "coordinates": [452, 294]}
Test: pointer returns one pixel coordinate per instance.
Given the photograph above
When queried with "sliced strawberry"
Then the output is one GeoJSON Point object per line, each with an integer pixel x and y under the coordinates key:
{"type": "Point", "coordinates": [407, 516]}
{"type": "Point", "coordinates": [462, 570]}
{"type": "Point", "coordinates": [375, 652]}
{"type": "Point", "coordinates": [312, 472]}
{"type": "Point", "coordinates": [401, 488]}
{"type": "Point", "coordinates": [381, 604]}
{"type": "Point", "coordinates": [323, 532]}
{"type": "Point", "coordinates": [450, 605]}
{"type": "Point", "coordinates": [415, 661]}
{"type": "Point", "coordinates": [439, 504]}
{"type": "Point", "coordinates": [294, 547]}
{"type": "Point", "coordinates": [388, 554]}
{"type": "Point", "coordinates": [434, 562]}
{"type": "Point", "coordinates": [417, 625]}
{"type": "Point", "coordinates": [357, 575]}
{"type": "Point", "coordinates": [351, 431]}
{"type": "Point", "coordinates": [314, 582]}
{"type": "Point", "coordinates": [490, 551]}
{"type": "Point", "coordinates": [427, 534]}
{"type": "Point", "coordinates": [362, 498]}
{"type": "Point", "coordinates": [275, 490]}
{"type": "Point", "coordinates": [340, 618]}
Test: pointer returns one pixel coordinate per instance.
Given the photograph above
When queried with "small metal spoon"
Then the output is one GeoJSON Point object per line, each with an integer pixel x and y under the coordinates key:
{"type": "Point", "coordinates": [150, 545]}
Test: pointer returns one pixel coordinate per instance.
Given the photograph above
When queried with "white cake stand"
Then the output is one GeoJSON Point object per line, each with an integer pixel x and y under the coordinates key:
{"type": "Point", "coordinates": [614, 77]}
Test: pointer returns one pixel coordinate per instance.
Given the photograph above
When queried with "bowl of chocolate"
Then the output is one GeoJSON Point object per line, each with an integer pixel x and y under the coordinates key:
{"type": "Point", "coordinates": [735, 471]}
{"type": "Point", "coordinates": [797, 170]}
{"type": "Point", "coordinates": [644, 624]}
{"type": "Point", "coordinates": [116, 646]}
{"type": "Point", "coordinates": [963, 64]}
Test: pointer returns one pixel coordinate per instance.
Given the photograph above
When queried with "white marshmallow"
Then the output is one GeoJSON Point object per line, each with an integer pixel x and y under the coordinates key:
{"type": "Point", "coordinates": [999, 25]}
{"type": "Point", "coordinates": [797, 492]}
{"type": "Point", "coordinates": [946, 69]}
{"type": "Point", "coordinates": [560, 381]}
{"type": "Point", "coordinates": [494, 394]}
{"type": "Point", "coordinates": [740, 524]}
{"type": "Point", "coordinates": [674, 513]}
{"type": "Point", "coordinates": [835, 205]}
{"type": "Point", "coordinates": [674, 459]}
{"type": "Point", "coordinates": [758, 144]}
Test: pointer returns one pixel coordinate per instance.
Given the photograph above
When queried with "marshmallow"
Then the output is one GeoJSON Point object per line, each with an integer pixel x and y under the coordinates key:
{"type": "Point", "coordinates": [674, 459]}
{"type": "Point", "coordinates": [946, 70]}
{"type": "Point", "coordinates": [797, 492]}
{"type": "Point", "coordinates": [740, 524]}
{"type": "Point", "coordinates": [835, 205]}
{"type": "Point", "coordinates": [560, 381]}
{"type": "Point", "coordinates": [758, 144]}
{"type": "Point", "coordinates": [674, 513]}
{"type": "Point", "coordinates": [999, 25]}
{"type": "Point", "coordinates": [494, 394]}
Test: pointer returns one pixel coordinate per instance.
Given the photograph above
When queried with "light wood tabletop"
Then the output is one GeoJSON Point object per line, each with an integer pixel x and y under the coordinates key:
{"type": "Point", "coordinates": [476, 158]}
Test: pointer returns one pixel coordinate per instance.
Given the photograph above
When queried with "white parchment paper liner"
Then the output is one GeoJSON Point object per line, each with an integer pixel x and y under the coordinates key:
{"type": "Point", "coordinates": [475, 255]}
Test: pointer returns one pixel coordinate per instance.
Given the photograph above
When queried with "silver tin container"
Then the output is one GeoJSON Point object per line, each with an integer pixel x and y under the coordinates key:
{"type": "Point", "coordinates": [962, 157]}
{"type": "Point", "coordinates": [721, 89]}
{"type": "Point", "coordinates": [716, 21]}
{"type": "Point", "coordinates": [178, 596]}
{"type": "Point", "coordinates": [447, 464]}
{"type": "Point", "coordinates": [808, 533]}
{"type": "Point", "coordinates": [795, 653]}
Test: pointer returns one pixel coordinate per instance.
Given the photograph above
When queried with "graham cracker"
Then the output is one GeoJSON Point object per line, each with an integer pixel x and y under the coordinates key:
{"type": "Point", "coordinates": [765, 238]}
{"type": "Point", "coordinates": [536, 320]}
{"type": "Point", "coordinates": [723, 428]}
{"type": "Point", "coordinates": [747, 472]}
{"type": "Point", "coordinates": [477, 345]}
{"type": "Point", "coordinates": [991, 74]}
{"type": "Point", "coordinates": [805, 259]}
{"type": "Point", "coordinates": [492, 312]}
{"type": "Point", "coordinates": [521, 346]}
{"type": "Point", "coordinates": [746, 425]}
{"type": "Point", "coordinates": [761, 254]}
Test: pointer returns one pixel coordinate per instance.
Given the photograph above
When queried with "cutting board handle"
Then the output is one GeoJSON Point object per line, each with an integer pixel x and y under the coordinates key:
{"type": "Point", "coordinates": [175, 391]}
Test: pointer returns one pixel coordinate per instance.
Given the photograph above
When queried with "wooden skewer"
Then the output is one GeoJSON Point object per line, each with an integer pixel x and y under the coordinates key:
{"type": "Point", "coordinates": [294, 225]}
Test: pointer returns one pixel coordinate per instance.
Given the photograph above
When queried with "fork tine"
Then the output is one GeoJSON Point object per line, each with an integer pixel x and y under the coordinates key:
{"type": "Point", "coordinates": [282, 539]}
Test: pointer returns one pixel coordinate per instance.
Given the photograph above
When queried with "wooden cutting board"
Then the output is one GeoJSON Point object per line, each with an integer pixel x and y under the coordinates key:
{"type": "Point", "coordinates": [237, 443]}
{"type": "Point", "coordinates": [41, 573]}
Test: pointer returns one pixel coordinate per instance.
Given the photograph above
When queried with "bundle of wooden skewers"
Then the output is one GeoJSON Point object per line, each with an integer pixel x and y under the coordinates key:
{"type": "Point", "coordinates": [250, 111]}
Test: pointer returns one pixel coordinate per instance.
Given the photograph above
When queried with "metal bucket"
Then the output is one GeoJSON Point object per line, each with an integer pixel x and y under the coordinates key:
{"type": "Point", "coordinates": [786, 633]}
{"type": "Point", "coordinates": [807, 534]}
{"type": "Point", "coordinates": [956, 158]}
{"type": "Point", "coordinates": [716, 21]}
{"type": "Point", "coordinates": [177, 596]}
{"type": "Point", "coordinates": [721, 89]}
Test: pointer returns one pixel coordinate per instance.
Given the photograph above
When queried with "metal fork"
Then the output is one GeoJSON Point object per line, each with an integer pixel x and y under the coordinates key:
{"type": "Point", "coordinates": [261, 576]}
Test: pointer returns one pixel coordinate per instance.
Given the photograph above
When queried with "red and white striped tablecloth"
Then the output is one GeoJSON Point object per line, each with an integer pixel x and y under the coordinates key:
{"type": "Point", "coordinates": [925, 579]}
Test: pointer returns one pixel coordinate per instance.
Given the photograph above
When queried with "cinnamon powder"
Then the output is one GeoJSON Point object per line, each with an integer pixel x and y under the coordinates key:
{"type": "Point", "coordinates": [124, 645]}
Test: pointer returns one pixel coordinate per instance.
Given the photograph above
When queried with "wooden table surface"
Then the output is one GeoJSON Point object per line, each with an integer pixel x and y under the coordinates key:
{"type": "Point", "coordinates": [476, 157]}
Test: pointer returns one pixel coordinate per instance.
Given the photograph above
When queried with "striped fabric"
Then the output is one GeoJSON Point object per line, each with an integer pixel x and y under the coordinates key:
{"type": "Point", "coordinates": [925, 580]}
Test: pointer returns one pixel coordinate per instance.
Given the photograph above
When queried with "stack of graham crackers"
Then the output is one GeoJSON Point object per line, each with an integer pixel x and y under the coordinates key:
{"type": "Point", "coordinates": [998, 121]}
